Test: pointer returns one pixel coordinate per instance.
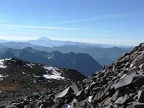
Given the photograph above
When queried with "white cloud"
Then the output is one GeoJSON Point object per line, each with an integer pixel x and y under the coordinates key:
{"type": "Point", "coordinates": [38, 27]}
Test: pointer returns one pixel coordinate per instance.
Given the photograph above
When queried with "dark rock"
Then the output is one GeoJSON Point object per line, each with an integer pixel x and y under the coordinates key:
{"type": "Point", "coordinates": [136, 105]}
{"type": "Point", "coordinates": [44, 104]}
{"type": "Point", "coordinates": [10, 106]}
{"type": "Point", "coordinates": [141, 95]}
{"type": "Point", "coordinates": [59, 103]}
{"type": "Point", "coordinates": [25, 102]}
{"type": "Point", "coordinates": [15, 105]}
{"type": "Point", "coordinates": [2, 106]}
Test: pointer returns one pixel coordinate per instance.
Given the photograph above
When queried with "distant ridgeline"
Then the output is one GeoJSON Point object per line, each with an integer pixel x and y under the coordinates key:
{"type": "Point", "coordinates": [84, 63]}
{"type": "Point", "coordinates": [102, 53]}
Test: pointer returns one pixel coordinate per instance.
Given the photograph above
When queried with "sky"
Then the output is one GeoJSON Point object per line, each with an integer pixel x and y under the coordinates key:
{"type": "Point", "coordinates": [119, 22]}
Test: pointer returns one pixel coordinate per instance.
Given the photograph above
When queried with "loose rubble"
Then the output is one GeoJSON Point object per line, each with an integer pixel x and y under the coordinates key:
{"type": "Point", "coordinates": [119, 85]}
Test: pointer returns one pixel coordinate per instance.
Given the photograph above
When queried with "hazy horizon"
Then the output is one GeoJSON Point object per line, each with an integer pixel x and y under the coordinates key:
{"type": "Point", "coordinates": [104, 45]}
{"type": "Point", "coordinates": [105, 22]}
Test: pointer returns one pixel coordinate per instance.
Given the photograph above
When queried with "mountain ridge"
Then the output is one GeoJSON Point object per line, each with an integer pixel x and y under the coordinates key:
{"type": "Point", "coordinates": [102, 55]}
{"type": "Point", "coordinates": [84, 63]}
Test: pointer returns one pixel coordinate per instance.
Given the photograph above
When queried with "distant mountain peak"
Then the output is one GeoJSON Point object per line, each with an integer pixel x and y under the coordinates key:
{"type": "Point", "coordinates": [44, 39]}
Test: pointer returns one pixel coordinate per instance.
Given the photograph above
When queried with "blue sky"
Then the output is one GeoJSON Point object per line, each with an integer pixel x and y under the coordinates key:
{"type": "Point", "coordinates": [94, 21]}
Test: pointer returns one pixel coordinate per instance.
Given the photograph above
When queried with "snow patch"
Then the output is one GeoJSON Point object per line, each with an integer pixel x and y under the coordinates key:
{"type": "Point", "coordinates": [35, 75]}
{"type": "Point", "coordinates": [52, 73]}
{"type": "Point", "coordinates": [1, 77]}
{"type": "Point", "coordinates": [2, 65]}
{"type": "Point", "coordinates": [23, 73]}
{"type": "Point", "coordinates": [90, 99]}
{"type": "Point", "coordinates": [50, 57]}
{"type": "Point", "coordinates": [49, 68]}
{"type": "Point", "coordinates": [30, 65]}
{"type": "Point", "coordinates": [7, 58]}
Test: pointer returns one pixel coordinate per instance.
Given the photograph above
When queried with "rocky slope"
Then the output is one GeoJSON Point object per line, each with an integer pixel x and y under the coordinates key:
{"type": "Point", "coordinates": [119, 85]}
{"type": "Point", "coordinates": [19, 78]}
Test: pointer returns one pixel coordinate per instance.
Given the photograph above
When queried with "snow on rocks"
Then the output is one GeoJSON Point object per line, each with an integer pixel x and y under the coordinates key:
{"type": "Point", "coordinates": [2, 76]}
{"type": "Point", "coordinates": [52, 73]}
{"type": "Point", "coordinates": [2, 65]}
{"type": "Point", "coordinates": [30, 65]}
